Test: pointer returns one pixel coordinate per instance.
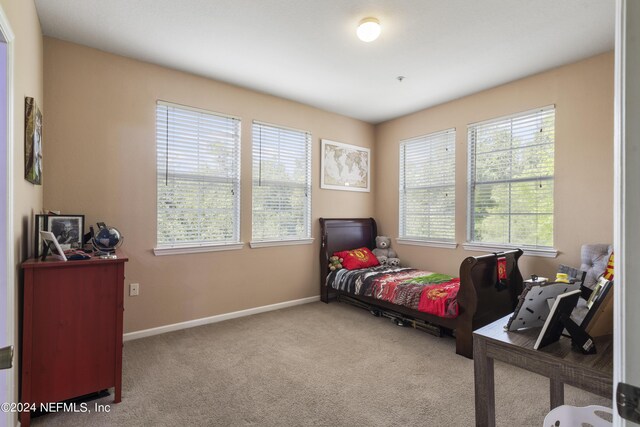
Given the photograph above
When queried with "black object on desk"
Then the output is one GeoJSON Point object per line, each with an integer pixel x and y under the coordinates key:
{"type": "Point", "coordinates": [77, 256]}
{"type": "Point", "coordinates": [560, 318]}
{"type": "Point", "coordinates": [579, 337]}
{"type": "Point", "coordinates": [552, 328]}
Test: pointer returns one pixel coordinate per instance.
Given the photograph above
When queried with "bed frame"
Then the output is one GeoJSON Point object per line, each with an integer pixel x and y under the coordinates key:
{"type": "Point", "coordinates": [479, 301]}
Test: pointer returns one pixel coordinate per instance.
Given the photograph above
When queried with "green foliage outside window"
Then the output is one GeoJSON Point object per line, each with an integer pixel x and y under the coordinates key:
{"type": "Point", "coordinates": [512, 187]}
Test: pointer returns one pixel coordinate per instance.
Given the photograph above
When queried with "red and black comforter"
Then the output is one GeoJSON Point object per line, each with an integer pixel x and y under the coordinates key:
{"type": "Point", "coordinates": [419, 290]}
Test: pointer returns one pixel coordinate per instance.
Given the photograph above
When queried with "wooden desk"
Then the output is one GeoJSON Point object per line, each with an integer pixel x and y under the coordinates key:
{"type": "Point", "coordinates": [593, 373]}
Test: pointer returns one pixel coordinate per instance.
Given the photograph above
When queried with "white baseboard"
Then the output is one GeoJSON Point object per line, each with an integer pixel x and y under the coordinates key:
{"type": "Point", "coordinates": [214, 319]}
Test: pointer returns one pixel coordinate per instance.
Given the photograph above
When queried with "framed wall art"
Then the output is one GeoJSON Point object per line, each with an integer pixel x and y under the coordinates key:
{"type": "Point", "coordinates": [345, 167]}
{"type": "Point", "coordinates": [32, 142]}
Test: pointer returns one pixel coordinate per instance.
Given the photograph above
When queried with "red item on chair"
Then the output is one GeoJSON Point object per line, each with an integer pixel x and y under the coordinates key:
{"type": "Point", "coordinates": [502, 268]}
{"type": "Point", "coordinates": [502, 282]}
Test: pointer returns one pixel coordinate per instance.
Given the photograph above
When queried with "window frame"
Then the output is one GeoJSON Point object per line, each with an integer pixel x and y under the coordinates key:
{"type": "Point", "coordinates": [203, 246]}
{"type": "Point", "coordinates": [472, 245]}
{"type": "Point", "coordinates": [308, 186]}
{"type": "Point", "coordinates": [418, 240]}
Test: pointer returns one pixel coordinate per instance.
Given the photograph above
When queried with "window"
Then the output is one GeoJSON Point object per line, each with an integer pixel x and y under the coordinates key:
{"type": "Point", "coordinates": [198, 178]}
{"type": "Point", "coordinates": [511, 162]}
{"type": "Point", "coordinates": [427, 188]}
{"type": "Point", "coordinates": [281, 185]}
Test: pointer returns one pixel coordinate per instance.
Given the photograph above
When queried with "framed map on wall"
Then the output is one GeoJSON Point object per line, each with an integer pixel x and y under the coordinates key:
{"type": "Point", "coordinates": [344, 167]}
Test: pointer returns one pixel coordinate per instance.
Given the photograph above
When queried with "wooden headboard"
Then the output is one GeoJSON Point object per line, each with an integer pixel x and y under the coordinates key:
{"type": "Point", "coordinates": [340, 234]}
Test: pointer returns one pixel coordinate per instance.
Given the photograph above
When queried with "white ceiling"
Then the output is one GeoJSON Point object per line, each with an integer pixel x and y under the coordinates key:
{"type": "Point", "coordinates": [307, 50]}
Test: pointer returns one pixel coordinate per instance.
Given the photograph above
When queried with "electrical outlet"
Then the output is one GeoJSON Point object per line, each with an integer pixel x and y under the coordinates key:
{"type": "Point", "coordinates": [134, 289]}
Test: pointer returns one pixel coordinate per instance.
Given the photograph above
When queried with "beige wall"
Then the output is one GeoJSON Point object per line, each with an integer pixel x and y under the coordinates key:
{"type": "Point", "coordinates": [27, 81]}
{"type": "Point", "coordinates": [100, 161]}
{"type": "Point", "coordinates": [100, 135]}
{"type": "Point", "coordinates": [583, 95]}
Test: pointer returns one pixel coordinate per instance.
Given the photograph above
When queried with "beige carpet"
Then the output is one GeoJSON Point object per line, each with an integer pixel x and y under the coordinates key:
{"type": "Point", "coordinates": [317, 364]}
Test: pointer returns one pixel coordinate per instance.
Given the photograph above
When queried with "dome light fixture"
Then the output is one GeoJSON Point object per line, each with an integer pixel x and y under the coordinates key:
{"type": "Point", "coordinates": [368, 29]}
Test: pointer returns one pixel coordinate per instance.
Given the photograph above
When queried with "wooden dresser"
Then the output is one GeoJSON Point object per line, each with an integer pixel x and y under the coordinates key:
{"type": "Point", "coordinates": [71, 330]}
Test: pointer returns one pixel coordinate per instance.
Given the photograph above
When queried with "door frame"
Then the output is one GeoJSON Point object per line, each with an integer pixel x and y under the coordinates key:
{"type": "Point", "coordinates": [618, 204]}
{"type": "Point", "coordinates": [8, 35]}
{"type": "Point", "coordinates": [626, 200]}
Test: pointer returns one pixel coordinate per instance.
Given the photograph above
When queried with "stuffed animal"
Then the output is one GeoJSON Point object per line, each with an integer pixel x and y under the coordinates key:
{"type": "Point", "coordinates": [393, 262]}
{"type": "Point", "coordinates": [383, 248]}
{"type": "Point", "coordinates": [382, 260]}
{"type": "Point", "coordinates": [335, 263]}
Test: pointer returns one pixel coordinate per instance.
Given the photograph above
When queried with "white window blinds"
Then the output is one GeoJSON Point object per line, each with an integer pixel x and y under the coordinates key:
{"type": "Point", "coordinates": [511, 163]}
{"type": "Point", "coordinates": [281, 183]}
{"type": "Point", "coordinates": [198, 177]}
{"type": "Point", "coordinates": [427, 187]}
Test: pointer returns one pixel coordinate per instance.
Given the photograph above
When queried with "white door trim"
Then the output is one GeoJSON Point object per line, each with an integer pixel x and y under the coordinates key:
{"type": "Point", "coordinates": [618, 205]}
{"type": "Point", "coordinates": [626, 198]}
{"type": "Point", "coordinates": [7, 33]}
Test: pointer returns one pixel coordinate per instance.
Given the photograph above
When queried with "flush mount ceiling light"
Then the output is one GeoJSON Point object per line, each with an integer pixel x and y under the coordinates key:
{"type": "Point", "coordinates": [368, 29]}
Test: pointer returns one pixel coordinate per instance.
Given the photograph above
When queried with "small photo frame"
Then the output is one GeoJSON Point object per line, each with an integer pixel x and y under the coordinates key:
{"type": "Point", "coordinates": [345, 167]}
{"type": "Point", "coordinates": [52, 245]}
{"type": "Point", "coordinates": [68, 230]}
{"type": "Point", "coordinates": [40, 225]}
{"type": "Point", "coordinates": [553, 326]}
{"type": "Point", "coordinates": [596, 303]}
{"type": "Point", "coordinates": [601, 287]}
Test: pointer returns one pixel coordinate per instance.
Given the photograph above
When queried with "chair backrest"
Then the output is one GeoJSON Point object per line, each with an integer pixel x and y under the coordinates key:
{"type": "Point", "coordinates": [571, 416]}
{"type": "Point", "coordinates": [594, 258]}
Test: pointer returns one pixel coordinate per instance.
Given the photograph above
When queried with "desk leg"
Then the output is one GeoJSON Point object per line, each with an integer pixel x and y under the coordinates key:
{"type": "Point", "coordinates": [484, 385]}
{"type": "Point", "coordinates": [556, 391]}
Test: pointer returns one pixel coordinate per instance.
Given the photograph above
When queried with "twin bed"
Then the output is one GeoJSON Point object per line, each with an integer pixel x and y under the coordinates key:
{"type": "Point", "coordinates": [457, 304]}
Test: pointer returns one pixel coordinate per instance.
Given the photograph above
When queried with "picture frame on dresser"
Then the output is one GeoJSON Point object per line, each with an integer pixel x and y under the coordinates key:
{"type": "Point", "coordinates": [40, 225]}
{"type": "Point", "coordinates": [52, 246]}
{"type": "Point", "coordinates": [68, 230]}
